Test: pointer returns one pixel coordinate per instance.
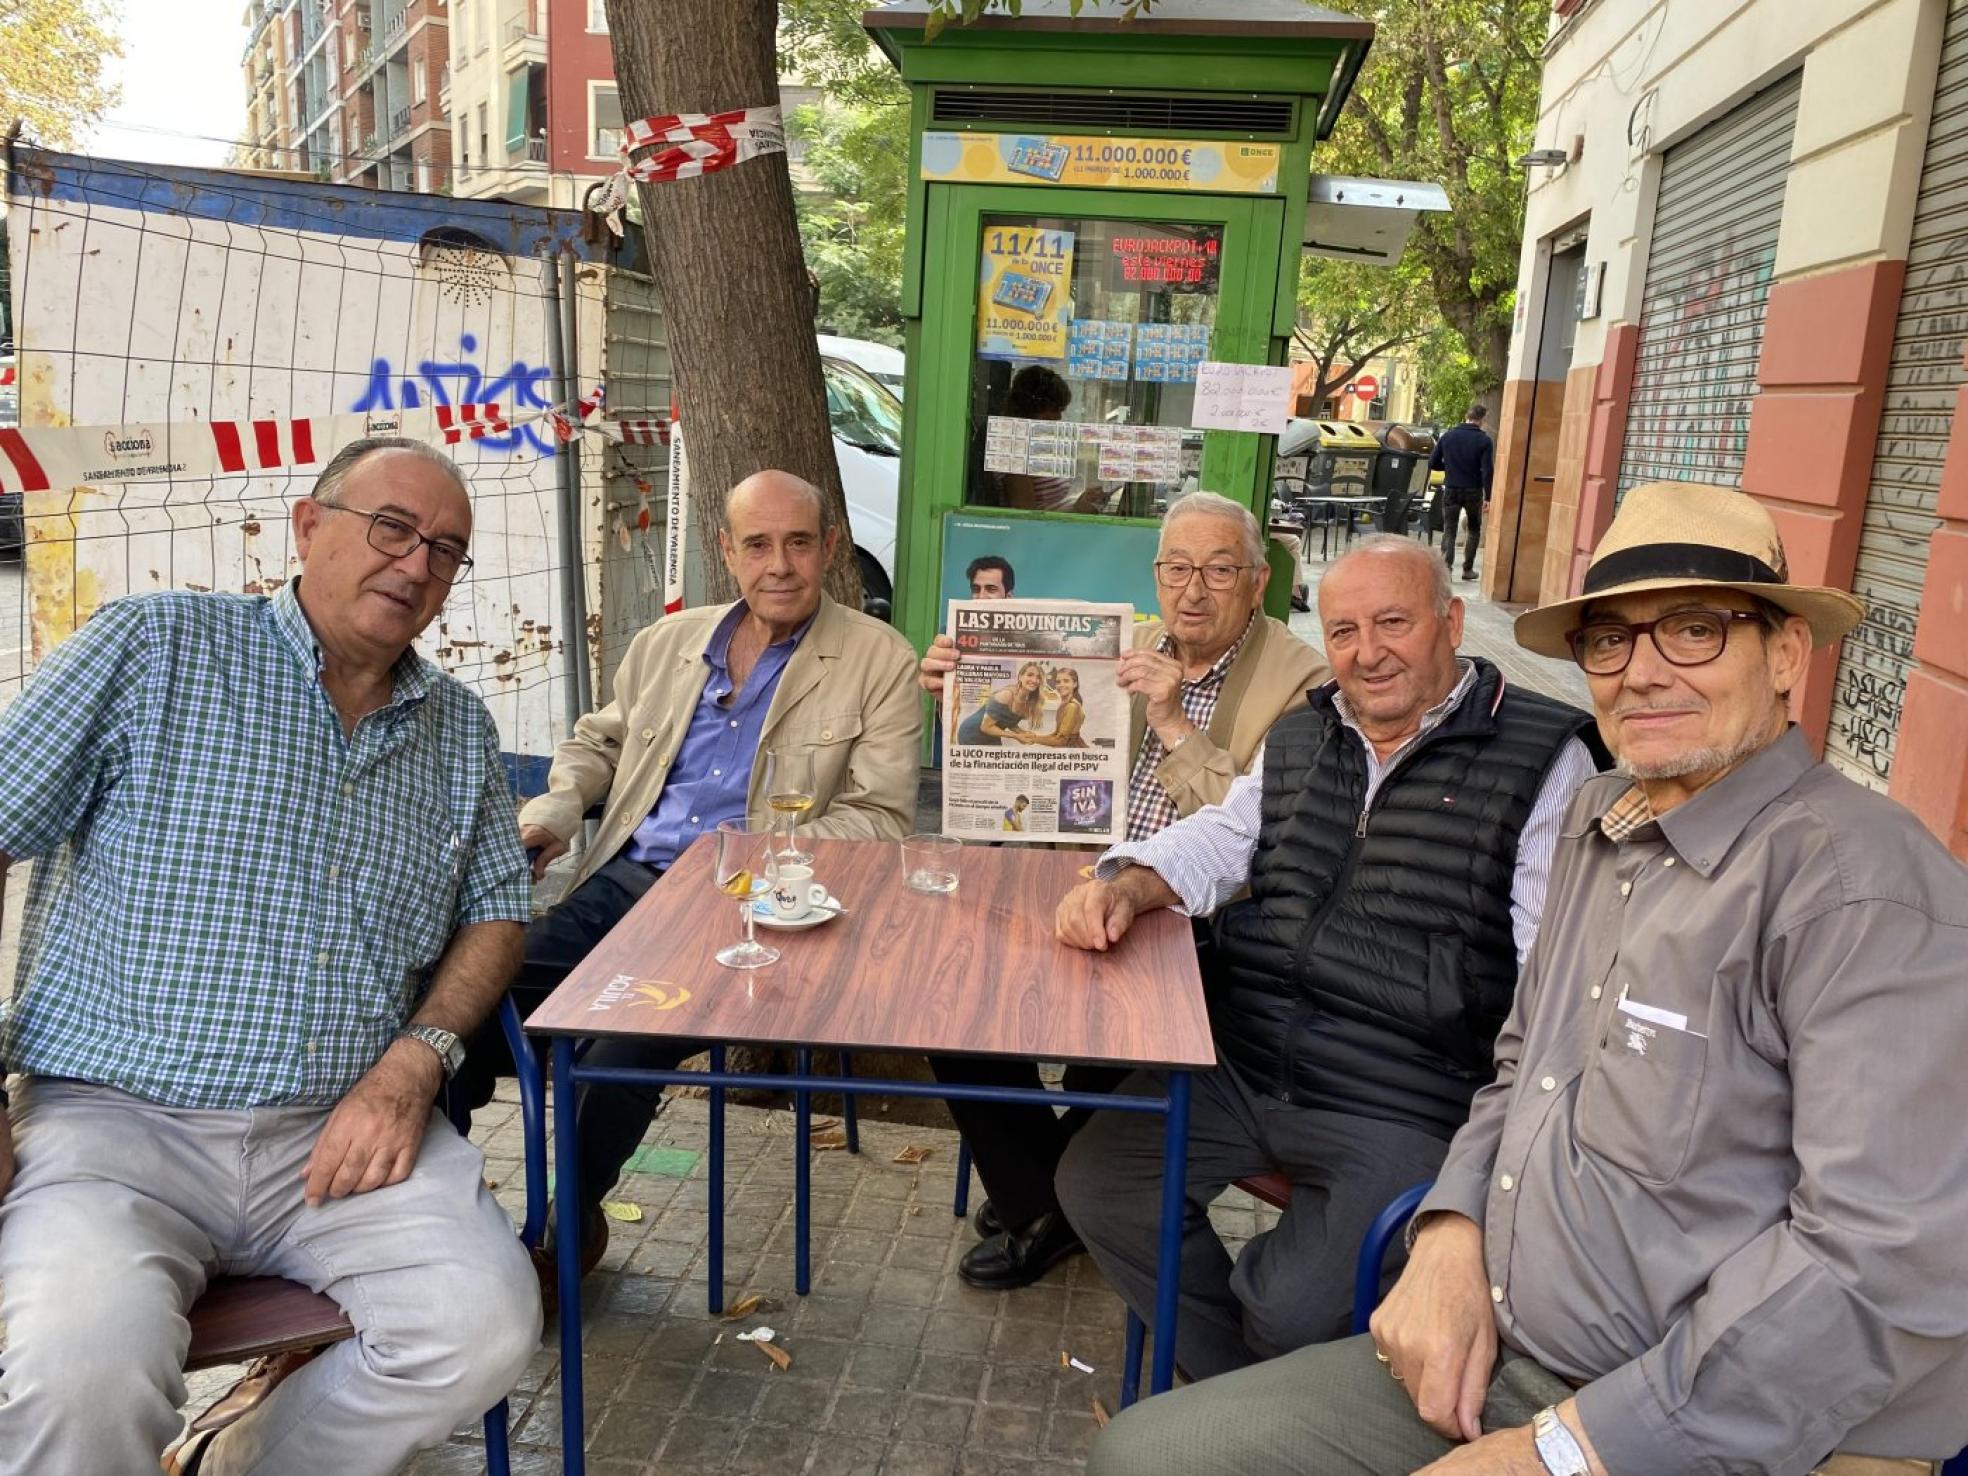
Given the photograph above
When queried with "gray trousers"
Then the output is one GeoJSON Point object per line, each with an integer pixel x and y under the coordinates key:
{"type": "Point", "coordinates": [121, 1209]}
{"type": "Point", "coordinates": [1292, 1285]}
{"type": "Point", "coordinates": [1330, 1410]}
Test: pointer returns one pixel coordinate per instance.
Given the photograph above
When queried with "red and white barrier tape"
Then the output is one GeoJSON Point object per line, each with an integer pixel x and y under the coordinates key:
{"type": "Point", "coordinates": [689, 145]}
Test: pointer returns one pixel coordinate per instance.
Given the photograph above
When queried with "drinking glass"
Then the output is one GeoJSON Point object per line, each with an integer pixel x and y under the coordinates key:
{"type": "Point", "coordinates": [738, 852]}
{"type": "Point", "coordinates": [929, 863]}
{"type": "Point", "coordinates": [789, 792]}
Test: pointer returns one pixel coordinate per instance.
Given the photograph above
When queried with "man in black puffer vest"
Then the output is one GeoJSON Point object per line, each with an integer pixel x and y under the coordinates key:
{"type": "Point", "coordinates": [1395, 841]}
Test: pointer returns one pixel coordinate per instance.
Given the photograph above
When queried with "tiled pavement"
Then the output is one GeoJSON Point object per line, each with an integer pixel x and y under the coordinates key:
{"type": "Point", "coordinates": [898, 1367]}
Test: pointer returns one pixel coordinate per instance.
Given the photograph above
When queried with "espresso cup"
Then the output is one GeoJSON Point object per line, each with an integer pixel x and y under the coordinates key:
{"type": "Point", "coordinates": [796, 893]}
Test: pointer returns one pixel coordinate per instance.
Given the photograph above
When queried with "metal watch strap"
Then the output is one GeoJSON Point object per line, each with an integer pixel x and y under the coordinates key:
{"type": "Point", "coordinates": [1557, 1448]}
{"type": "Point", "coordinates": [448, 1048]}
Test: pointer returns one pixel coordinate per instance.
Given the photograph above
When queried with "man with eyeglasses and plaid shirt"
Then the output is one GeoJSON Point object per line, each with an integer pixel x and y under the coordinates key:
{"type": "Point", "coordinates": [1207, 680]}
{"type": "Point", "coordinates": [278, 877]}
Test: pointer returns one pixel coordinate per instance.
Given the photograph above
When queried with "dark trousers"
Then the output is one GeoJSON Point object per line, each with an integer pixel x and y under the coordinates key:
{"type": "Point", "coordinates": [1290, 1286]}
{"type": "Point", "coordinates": [1456, 502]}
{"type": "Point", "coordinates": [1017, 1146]}
{"type": "Point", "coordinates": [611, 1119]}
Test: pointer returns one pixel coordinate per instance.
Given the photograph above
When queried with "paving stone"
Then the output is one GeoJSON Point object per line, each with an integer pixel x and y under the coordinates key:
{"type": "Point", "coordinates": [945, 1374]}
{"type": "Point", "coordinates": [772, 1451]}
{"type": "Point", "coordinates": [909, 1288]}
{"type": "Point", "coordinates": [1029, 1387]}
{"type": "Point", "coordinates": [899, 1326]}
{"type": "Point", "coordinates": [877, 1367]}
{"type": "Point", "coordinates": [727, 1394]}
{"type": "Point", "coordinates": [957, 1333]}
{"type": "Point", "coordinates": [794, 1401]}
{"type": "Point", "coordinates": [833, 1456]}
{"type": "Point", "coordinates": [630, 1431]}
{"type": "Point", "coordinates": [699, 1444]}
{"type": "Point", "coordinates": [863, 1412]}
{"type": "Point", "coordinates": [907, 1459]}
{"type": "Point", "coordinates": [937, 1421]}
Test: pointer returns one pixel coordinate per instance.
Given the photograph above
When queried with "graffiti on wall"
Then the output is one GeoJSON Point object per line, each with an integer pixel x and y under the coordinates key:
{"type": "Point", "coordinates": [1870, 687]}
{"type": "Point", "coordinates": [465, 381]}
{"type": "Point", "coordinates": [1702, 351]}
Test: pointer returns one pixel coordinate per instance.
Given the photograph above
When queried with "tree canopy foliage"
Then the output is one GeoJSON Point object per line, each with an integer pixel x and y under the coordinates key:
{"type": "Point", "coordinates": [52, 58]}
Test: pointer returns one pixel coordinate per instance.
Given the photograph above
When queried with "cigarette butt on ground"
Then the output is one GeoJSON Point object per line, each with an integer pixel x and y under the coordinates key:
{"type": "Point", "coordinates": [1062, 1357]}
{"type": "Point", "coordinates": [1100, 1415]}
{"type": "Point", "coordinates": [1082, 1367]}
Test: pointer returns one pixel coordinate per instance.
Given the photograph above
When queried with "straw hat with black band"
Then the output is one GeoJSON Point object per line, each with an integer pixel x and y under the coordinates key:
{"type": "Point", "coordinates": [1689, 535]}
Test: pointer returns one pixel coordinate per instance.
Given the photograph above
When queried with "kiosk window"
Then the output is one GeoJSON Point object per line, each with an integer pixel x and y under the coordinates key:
{"type": "Point", "coordinates": [1083, 380]}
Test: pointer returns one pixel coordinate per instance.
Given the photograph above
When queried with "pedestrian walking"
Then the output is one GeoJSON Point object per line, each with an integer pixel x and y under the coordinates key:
{"type": "Point", "coordinates": [1466, 458]}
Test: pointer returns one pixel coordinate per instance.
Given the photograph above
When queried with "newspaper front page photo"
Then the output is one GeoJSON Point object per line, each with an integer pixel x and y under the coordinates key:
{"type": "Point", "coordinates": [1036, 745]}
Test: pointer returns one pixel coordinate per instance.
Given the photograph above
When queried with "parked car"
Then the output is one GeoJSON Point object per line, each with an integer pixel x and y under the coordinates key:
{"type": "Point", "coordinates": [878, 361]}
{"type": "Point", "coordinates": [867, 425]}
{"type": "Point", "coordinates": [13, 526]}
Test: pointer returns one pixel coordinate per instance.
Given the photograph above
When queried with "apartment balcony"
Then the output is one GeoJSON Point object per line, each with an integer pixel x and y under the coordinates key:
{"type": "Point", "coordinates": [399, 122]}
{"type": "Point", "coordinates": [536, 151]}
{"type": "Point", "coordinates": [394, 27]}
{"type": "Point", "coordinates": [525, 46]}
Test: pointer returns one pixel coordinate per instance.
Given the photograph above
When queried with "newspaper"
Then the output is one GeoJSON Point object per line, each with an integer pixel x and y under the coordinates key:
{"type": "Point", "coordinates": [1036, 746]}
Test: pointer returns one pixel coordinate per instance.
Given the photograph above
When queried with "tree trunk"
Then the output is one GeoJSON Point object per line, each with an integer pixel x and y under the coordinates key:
{"type": "Point", "coordinates": [725, 250]}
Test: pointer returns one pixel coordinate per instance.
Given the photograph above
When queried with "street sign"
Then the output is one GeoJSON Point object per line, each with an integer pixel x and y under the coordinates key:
{"type": "Point", "coordinates": [1366, 387]}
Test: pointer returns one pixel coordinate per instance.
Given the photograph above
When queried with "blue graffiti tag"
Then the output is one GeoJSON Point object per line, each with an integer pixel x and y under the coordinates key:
{"type": "Point", "coordinates": [521, 387]}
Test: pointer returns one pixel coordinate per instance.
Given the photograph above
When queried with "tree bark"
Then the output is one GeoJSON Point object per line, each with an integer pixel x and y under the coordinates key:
{"type": "Point", "coordinates": [737, 300]}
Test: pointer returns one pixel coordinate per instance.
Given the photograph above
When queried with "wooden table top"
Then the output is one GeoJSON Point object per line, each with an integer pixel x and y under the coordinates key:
{"type": "Point", "coordinates": [977, 971]}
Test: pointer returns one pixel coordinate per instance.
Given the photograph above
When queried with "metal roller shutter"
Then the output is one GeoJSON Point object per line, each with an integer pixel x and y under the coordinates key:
{"type": "Point", "coordinates": [1708, 281]}
{"type": "Point", "coordinates": [1913, 438]}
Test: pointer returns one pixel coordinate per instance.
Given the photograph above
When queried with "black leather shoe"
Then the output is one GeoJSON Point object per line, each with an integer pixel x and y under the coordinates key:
{"type": "Point", "coordinates": [986, 1222]}
{"type": "Point", "coordinates": [1015, 1258]}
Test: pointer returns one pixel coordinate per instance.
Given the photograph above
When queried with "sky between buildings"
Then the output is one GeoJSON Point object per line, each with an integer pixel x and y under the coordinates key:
{"type": "Point", "coordinates": [180, 73]}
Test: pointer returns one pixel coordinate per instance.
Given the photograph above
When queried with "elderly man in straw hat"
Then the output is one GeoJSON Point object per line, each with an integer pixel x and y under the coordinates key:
{"type": "Point", "coordinates": [1710, 1216]}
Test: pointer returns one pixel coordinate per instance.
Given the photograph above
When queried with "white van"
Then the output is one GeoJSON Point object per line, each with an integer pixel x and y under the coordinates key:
{"type": "Point", "coordinates": [867, 425]}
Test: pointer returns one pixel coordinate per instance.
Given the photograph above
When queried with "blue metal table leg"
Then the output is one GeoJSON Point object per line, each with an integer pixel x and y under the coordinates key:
{"type": "Point", "coordinates": [567, 1256]}
{"type": "Point", "coordinates": [714, 1252]}
{"type": "Point", "coordinates": [802, 1179]}
{"type": "Point", "coordinates": [1131, 1360]}
{"type": "Point", "coordinates": [1168, 1273]}
{"type": "Point", "coordinates": [850, 1115]}
{"type": "Point", "coordinates": [961, 1205]}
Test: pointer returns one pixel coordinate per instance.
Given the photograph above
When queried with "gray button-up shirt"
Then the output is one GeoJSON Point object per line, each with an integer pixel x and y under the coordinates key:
{"type": "Point", "coordinates": [1721, 1171]}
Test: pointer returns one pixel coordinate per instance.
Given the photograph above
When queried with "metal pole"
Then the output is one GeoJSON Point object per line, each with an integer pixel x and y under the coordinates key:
{"type": "Point", "coordinates": [563, 361]}
{"type": "Point", "coordinates": [567, 1257]}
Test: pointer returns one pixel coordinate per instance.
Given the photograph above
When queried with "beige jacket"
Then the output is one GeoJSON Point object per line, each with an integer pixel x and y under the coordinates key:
{"type": "Point", "coordinates": [848, 693]}
{"type": "Point", "coordinates": [1270, 676]}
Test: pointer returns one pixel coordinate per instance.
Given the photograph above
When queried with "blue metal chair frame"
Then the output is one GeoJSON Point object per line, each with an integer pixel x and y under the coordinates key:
{"type": "Point", "coordinates": [569, 1074]}
{"type": "Point", "coordinates": [532, 1112]}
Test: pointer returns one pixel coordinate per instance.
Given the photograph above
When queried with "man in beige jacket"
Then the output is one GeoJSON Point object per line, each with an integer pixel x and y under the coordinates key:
{"type": "Point", "coordinates": [1208, 680]}
{"type": "Point", "coordinates": [699, 699]}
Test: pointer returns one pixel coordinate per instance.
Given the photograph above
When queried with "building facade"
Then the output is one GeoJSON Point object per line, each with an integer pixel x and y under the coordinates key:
{"type": "Point", "coordinates": [350, 91]}
{"type": "Point", "coordinates": [1743, 273]}
{"type": "Point", "coordinates": [532, 99]}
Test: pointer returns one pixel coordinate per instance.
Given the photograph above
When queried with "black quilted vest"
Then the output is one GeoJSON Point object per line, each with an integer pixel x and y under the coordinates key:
{"type": "Point", "coordinates": [1372, 963]}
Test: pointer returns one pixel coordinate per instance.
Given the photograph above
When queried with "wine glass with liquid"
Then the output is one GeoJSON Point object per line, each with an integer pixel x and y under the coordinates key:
{"type": "Point", "coordinates": [789, 794]}
{"type": "Point", "coordinates": [738, 851]}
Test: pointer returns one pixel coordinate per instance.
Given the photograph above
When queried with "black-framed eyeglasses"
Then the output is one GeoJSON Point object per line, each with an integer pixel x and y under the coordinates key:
{"type": "Point", "coordinates": [1176, 574]}
{"type": "Point", "coordinates": [392, 536]}
{"type": "Point", "coordinates": [1685, 638]}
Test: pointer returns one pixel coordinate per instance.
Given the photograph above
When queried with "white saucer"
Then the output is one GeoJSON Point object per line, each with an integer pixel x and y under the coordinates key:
{"type": "Point", "coordinates": [765, 917]}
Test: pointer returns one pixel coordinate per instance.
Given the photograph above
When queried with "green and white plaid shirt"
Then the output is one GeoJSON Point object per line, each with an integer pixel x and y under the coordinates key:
{"type": "Point", "coordinates": [236, 905]}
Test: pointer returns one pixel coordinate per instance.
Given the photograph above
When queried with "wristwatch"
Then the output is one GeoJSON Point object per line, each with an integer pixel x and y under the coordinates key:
{"type": "Point", "coordinates": [450, 1050]}
{"type": "Point", "coordinates": [1555, 1445]}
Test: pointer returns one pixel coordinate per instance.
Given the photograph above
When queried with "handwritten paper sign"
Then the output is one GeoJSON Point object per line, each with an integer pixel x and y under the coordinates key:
{"type": "Point", "coordinates": [1243, 397]}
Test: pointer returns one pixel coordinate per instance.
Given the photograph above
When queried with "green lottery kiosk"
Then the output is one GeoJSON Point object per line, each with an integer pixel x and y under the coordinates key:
{"type": "Point", "coordinates": [1098, 208]}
